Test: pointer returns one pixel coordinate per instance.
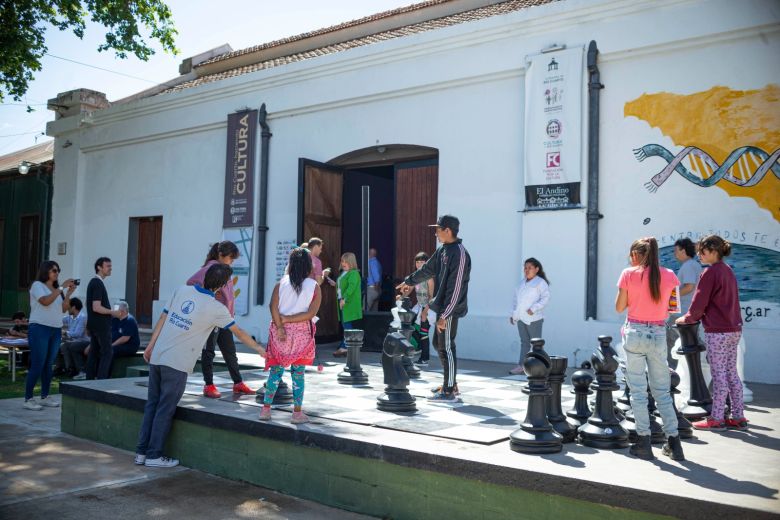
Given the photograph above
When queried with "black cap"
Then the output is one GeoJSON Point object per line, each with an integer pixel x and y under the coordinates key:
{"type": "Point", "coordinates": [449, 222]}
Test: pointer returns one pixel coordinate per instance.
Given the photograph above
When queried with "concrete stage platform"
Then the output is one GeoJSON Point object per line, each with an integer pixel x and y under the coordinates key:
{"type": "Point", "coordinates": [446, 460]}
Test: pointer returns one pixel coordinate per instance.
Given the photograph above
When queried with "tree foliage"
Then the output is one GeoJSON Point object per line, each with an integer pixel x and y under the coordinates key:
{"type": "Point", "coordinates": [23, 24]}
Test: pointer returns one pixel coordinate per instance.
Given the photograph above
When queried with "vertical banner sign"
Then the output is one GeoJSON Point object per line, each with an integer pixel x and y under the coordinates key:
{"type": "Point", "coordinates": [242, 237]}
{"type": "Point", "coordinates": [239, 170]}
{"type": "Point", "coordinates": [553, 130]}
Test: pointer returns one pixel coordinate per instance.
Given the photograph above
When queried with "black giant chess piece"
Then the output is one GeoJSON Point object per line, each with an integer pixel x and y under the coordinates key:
{"type": "Point", "coordinates": [683, 425]}
{"type": "Point", "coordinates": [283, 394]}
{"type": "Point", "coordinates": [578, 415]}
{"type": "Point", "coordinates": [603, 429]}
{"type": "Point", "coordinates": [407, 317]}
{"type": "Point", "coordinates": [555, 414]}
{"type": "Point", "coordinates": [352, 373]}
{"type": "Point", "coordinates": [536, 434]}
{"type": "Point", "coordinates": [700, 401]}
{"type": "Point", "coordinates": [396, 397]}
{"type": "Point", "coordinates": [624, 401]}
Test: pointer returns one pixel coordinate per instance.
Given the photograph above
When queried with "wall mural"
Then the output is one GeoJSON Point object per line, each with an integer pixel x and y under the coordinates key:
{"type": "Point", "coordinates": [727, 140]}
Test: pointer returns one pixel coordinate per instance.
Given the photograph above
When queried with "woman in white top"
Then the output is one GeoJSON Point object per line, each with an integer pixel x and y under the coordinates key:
{"type": "Point", "coordinates": [294, 305]}
{"type": "Point", "coordinates": [48, 303]}
{"type": "Point", "coordinates": [531, 298]}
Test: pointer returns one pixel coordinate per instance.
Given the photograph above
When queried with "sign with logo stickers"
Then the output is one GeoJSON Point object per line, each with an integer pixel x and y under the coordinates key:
{"type": "Point", "coordinates": [553, 130]}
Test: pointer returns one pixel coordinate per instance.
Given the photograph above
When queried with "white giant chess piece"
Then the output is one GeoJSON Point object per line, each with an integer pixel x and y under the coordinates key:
{"type": "Point", "coordinates": [682, 370]}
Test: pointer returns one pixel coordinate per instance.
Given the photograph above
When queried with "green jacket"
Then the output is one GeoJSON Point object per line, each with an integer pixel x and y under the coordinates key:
{"type": "Point", "coordinates": [349, 285]}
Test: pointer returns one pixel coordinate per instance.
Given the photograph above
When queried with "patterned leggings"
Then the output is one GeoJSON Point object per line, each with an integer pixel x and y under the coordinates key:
{"type": "Point", "coordinates": [272, 385]}
{"type": "Point", "coordinates": [722, 357]}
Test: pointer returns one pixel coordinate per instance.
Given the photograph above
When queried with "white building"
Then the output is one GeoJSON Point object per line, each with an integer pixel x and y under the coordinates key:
{"type": "Point", "coordinates": [433, 96]}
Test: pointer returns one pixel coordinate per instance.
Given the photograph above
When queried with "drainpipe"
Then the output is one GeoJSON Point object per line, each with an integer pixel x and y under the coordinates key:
{"type": "Point", "coordinates": [262, 205]}
{"type": "Point", "coordinates": [593, 215]}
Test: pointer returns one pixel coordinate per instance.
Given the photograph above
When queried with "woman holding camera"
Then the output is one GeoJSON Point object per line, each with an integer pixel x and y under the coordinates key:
{"type": "Point", "coordinates": [48, 302]}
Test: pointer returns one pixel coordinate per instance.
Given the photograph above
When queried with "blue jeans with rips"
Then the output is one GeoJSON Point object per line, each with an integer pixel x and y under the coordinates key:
{"type": "Point", "coordinates": [645, 347]}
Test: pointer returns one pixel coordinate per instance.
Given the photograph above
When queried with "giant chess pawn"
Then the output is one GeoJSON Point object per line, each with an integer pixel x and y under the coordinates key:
{"type": "Point", "coordinates": [353, 374]}
{"type": "Point", "coordinates": [396, 397]}
{"type": "Point", "coordinates": [536, 434]}
{"type": "Point", "coordinates": [578, 415]}
{"type": "Point", "coordinates": [407, 316]}
{"type": "Point", "coordinates": [283, 394]}
{"type": "Point", "coordinates": [603, 429]}
{"type": "Point", "coordinates": [700, 402]}
{"type": "Point", "coordinates": [555, 414]}
{"type": "Point", "coordinates": [683, 425]}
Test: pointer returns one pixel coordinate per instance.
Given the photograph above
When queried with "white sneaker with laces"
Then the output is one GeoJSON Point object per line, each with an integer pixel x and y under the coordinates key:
{"type": "Point", "coordinates": [48, 402]}
{"type": "Point", "coordinates": [32, 404]}
{"type": "Point", "coordinates": [139, 459]}
{"type": "Point", "coordinates": [161, 462]}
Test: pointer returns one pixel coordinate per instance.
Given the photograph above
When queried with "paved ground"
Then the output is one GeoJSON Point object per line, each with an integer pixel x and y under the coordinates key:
{"type": "Point", "coordinates": [49, 474]}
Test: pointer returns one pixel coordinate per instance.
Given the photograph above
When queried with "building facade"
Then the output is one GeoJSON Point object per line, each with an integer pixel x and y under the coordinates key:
{"type": "Point", "coordinates": [434, 111]}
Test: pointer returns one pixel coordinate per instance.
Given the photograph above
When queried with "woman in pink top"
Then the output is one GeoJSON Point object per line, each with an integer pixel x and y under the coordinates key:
{"type": "Point", "coordinates": [644, 289]}
{"type": "Point", "coordinates": [224, 252]}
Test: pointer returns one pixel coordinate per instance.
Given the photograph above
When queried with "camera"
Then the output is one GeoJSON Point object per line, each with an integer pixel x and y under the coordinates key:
{"type": "Point", "coordinates": [77, 282]}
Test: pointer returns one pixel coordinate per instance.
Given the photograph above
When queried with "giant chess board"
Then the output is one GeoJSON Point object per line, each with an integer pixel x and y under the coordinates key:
{"type": "Point", "coordinates": [490, 409]}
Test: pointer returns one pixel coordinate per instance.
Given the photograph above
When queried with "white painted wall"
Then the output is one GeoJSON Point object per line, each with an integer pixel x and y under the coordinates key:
{"type": "Point", "coordinates": [459, 90]}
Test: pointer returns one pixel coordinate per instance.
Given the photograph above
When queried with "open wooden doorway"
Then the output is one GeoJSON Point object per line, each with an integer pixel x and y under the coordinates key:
{"type": "Point", "coordinates": [403, 181]}
{"type": "Point", "coordinates": [320, 215]}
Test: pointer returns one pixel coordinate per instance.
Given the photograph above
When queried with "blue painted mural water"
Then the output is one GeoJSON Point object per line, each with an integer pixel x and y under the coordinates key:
{"type": "Point", "coordinates": [757, 271]}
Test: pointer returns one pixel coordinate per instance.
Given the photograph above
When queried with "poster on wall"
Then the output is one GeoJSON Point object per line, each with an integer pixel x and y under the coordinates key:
{"type": "Point", "coordinates": [239, 170]}
{"type": "Point", "coordinates": [283, 248]}
{"type": "Point", "coordinates": [553, 130]}
{"type": "Point", "coordinates": [242, 237]}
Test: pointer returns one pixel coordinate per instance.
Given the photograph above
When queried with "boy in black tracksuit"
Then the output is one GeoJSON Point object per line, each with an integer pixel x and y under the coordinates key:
{"type": "Point", "coordinates": [449, 266]}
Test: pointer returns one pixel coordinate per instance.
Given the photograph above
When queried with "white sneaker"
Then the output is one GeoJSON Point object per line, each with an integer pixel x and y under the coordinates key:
{"type": "Point", "coordinates": [48, 402]}
{"type": "Point", "coordinates": [32, 404]}
{"type": "Point", "coordinates": [81, 376]}
{"type": "Point", "coordinates": [139, 459]}
{"type": "Point", "coordinates": [162, 462]}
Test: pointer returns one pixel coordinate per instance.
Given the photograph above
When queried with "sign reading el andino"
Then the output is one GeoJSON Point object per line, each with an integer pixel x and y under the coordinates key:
{"type": "Point", "coordinates": [239, 170]}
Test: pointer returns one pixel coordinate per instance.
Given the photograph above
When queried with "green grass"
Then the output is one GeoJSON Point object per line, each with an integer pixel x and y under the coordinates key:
{"type": "Point", "coordinates": [9, 389]}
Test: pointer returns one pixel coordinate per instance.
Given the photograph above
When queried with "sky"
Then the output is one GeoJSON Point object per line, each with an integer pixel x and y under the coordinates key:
{"type": "Point", "coordinates": [202, 25]}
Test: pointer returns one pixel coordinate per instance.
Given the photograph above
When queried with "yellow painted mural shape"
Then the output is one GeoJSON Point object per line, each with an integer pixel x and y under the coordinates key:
{"type": "Point", "coordinates": [731, 140]}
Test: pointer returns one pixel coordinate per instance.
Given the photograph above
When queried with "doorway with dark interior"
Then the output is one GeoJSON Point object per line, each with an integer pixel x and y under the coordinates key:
{"type": "Point", "coordinates": [403, 195]}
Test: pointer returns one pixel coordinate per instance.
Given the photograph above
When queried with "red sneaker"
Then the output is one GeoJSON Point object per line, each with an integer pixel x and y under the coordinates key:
{"type": "Point", "coordinates": [710, 424]}
{"type": "Point", "coordinates": [211, 392]}
{"type": "Point", "coordinates": [737, 424]}
{"type": "Point", "coordinates": [241, 388]}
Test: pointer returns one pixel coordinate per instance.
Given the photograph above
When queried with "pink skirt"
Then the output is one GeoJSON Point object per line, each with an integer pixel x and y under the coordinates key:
{"type": "Point", "coordinates": [298, 349]}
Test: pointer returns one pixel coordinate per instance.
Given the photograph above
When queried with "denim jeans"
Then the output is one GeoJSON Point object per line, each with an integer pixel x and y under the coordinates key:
{"type": "Point", "coordinates": [166, 386]}
{"type": "Point", "coordinates": [645, 347]}
{"type": "Point", "coordinates": [44, 344]}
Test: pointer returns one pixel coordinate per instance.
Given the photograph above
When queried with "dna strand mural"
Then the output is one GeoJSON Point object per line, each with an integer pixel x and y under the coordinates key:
{"type": "Point", "coordinates": [746, 166]}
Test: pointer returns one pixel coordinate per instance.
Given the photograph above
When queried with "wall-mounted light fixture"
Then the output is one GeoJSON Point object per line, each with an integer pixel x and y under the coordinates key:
{"type": "Point", "coordinates": [381, 149]}
{"type": "Point", "coordinates": [67, 144]}
{"type": "Point", "coordinates": [24, 167]}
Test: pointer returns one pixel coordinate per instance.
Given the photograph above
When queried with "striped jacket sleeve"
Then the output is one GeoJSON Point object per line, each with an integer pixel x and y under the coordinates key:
{"type": "Point", "coordinates": [452, 285]}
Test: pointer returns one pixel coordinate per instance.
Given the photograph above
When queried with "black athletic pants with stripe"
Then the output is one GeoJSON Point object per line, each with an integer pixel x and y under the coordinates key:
{"type": "Point", "coordinates": [444, 343]}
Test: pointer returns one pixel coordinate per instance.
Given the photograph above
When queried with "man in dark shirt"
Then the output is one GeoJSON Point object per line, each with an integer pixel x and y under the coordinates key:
{"type": "Point", "coordinates": [124, 333]}
{"type": "Point", "coordinates": [99, 314]}
{"type": "Point", "coordinates": [450, 267]}
{"type": "Point", "coordinates": [19, 330]}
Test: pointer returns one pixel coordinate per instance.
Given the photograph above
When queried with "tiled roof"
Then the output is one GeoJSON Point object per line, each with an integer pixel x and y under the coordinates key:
{"type": "Point", "coordinates": [438, 23]}
{"type": "Point", "coordinates": [40, 153]}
